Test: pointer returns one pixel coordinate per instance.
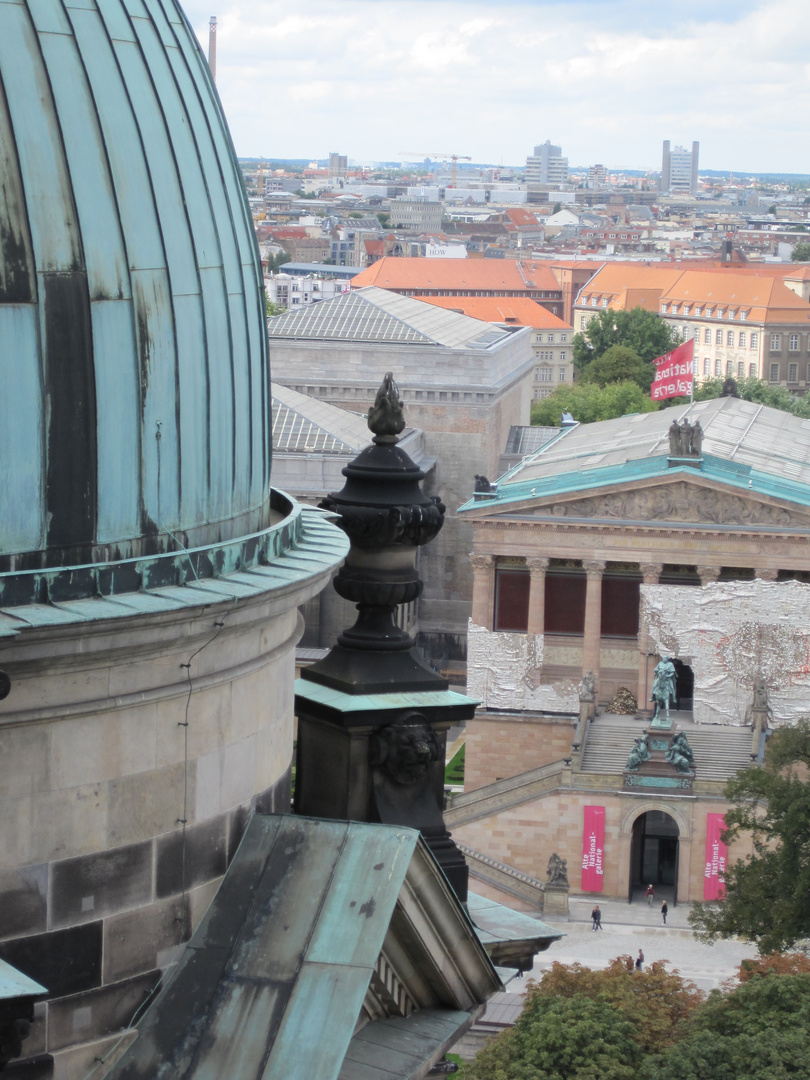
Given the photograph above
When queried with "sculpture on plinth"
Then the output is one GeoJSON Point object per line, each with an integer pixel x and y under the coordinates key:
{"type": "Point", "coordinates": [639, 754]}
{"type": "Point", "coordinates": [557, 872]}
{"type": "Point", "coordinates": [665, 680]}
{"type": "Point", "coordinates": [680, 754]}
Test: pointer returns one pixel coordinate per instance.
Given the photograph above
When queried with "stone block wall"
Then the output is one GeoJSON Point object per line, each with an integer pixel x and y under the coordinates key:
{"type": "Point", "coordinates": [499, 746]}
{"type": "Point", "coordinates": [99, 879]}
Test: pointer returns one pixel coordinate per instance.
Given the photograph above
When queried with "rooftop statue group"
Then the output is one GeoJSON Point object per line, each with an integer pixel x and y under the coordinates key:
{"type": "Point", "coordinates": [685, 439]}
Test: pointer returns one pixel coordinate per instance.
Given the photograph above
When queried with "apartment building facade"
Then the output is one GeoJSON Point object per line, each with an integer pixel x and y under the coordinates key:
{"type": "Point", "coordinates": [754, 323]}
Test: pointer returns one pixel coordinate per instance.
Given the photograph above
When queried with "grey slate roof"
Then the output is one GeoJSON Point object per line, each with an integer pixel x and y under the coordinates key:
{"type": "Point", "coordinates": [377, 315]}
{"type": "Point", "coordinates": [746, 445]}
{"type": "Point", "coordinates": [303, 424]}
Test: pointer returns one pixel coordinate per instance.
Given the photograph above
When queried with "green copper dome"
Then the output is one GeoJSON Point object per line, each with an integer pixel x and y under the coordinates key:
{"type": "Point", "coordinates": [135, 405]}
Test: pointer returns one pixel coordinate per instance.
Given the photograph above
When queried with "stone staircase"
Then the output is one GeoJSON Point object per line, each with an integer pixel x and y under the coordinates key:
{"type": "Point", "coordinates": [719, 751]}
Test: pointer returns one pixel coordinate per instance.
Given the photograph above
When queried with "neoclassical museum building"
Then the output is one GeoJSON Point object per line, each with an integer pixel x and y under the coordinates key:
{"type": "Point", "coordinates": [606, 550]}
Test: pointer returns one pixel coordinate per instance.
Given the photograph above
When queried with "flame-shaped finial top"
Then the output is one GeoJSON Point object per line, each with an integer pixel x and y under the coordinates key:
{"type": "Point", "coordinates": [385, 417]}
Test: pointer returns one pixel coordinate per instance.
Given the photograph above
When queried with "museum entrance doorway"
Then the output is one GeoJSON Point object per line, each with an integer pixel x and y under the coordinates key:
{"type": "Point", "coordinates": [654, 854]}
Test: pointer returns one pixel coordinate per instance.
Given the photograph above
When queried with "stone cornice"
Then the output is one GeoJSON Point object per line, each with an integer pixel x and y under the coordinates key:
{"type": "Point", "coordinates": [590, 527]}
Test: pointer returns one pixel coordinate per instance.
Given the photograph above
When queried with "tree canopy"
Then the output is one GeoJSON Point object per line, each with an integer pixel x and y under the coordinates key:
{"type": "Point", "coordinates": [615, 1024]}
{"type": "Point", "coordinates": [801, 253]}
{"type": "Point", "coordinates": [768, 893]}
{"type": "Point", "coordinates": [587, 402]}
{"type": "Point", "coordinates": [637, 329]}
{"type": "Point", "coordinates": [620, 364]}
{"type": "Point", "coordinates": [758, 1031]}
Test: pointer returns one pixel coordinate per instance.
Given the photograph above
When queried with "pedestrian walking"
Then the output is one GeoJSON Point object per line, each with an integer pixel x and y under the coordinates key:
{"type": "Point", "coordinates": [596, 918]}
{"type": "Point", "coordinates": [650, 894]}
{"type": "Point", "coordinates": [639, 960]}
{"type": "Point", "coordinates": [664, 910]}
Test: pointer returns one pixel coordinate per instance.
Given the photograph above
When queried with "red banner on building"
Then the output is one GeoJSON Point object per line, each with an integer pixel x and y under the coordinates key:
{"type": "Point", "coordinates": [716, 858]}
{"type": "Point", "coordinates": [593, 849]}
{"type": "Point", "coordinates": [673, 373]}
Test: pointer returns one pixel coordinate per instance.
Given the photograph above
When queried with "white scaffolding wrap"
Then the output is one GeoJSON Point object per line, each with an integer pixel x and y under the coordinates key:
{"type": "Point", "coordinates": [732, 633]}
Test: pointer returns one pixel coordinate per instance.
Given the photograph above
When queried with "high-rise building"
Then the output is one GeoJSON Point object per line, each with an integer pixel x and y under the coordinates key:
{"type": "Point", "coordinates": [338, 164]}
{"type": "Point", "coordinates": [679, 169]}
{"type": "Point", "coordinates": [547, 165]}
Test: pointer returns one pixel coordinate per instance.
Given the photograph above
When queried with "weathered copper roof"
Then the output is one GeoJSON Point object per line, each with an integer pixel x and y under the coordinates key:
{"type": "Point", "coordinates": [135, 385]}
{"type": "Point", "coordinates": [332, 949]}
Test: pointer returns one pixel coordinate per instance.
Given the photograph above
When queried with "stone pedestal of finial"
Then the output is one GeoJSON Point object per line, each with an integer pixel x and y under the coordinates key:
{"type": "Point", "coordinates": [372, 716]}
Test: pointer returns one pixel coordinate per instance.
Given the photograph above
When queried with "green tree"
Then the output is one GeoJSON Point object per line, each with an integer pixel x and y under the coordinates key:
{"type": "Point", "coordinates": [753, 389]}
{"type": "Point", "coordinates": [772, 209]}
{"type": "Point", "coordinates": [588, 402]}
{"type": "Point", "coordinates": [801, 253]}
{"type": "Point", "coordinates": [271, 309]}
{"type": "Point", "coordinates": [759, 1030]}
{"type": "Point", "coordinates": [580, 1024]}
{"type": "Point", "coordinates": [563, 1039]}
{"type": "Point", "coordinates": [637, 329]}
{"type": "Point", "coordinates": [384, 219]}
{"type": "Point", "coordinates": [767, 893]}
{"type": "Point", "coordinates": [620, 364]}
{"type": "Point", "coordinates": [556, 208]}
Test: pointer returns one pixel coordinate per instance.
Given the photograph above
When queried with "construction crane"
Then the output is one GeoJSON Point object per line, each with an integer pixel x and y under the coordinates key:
{"type": "Point", "coordinates": [442, 157]}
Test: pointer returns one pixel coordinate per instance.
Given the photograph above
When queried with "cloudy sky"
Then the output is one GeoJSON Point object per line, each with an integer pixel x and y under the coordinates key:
{"type": "Point", "coordinates": [605, 79]}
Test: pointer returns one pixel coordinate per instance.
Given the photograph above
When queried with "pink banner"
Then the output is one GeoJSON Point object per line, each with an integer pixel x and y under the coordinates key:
{"type": "Point", "coordinates": [716, 858]}
{"type": "Point", "coordinates": [673, 375]}
{"type": "Point", "coordinates": [593, 849]}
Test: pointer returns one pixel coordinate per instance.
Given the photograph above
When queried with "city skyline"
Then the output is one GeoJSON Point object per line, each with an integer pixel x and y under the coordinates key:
{"type": "Point", "coordinates": [374, 78]}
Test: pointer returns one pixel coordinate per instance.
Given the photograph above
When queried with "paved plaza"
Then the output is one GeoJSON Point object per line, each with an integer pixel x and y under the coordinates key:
{"type": "Point", "coordinates": [626, 928]}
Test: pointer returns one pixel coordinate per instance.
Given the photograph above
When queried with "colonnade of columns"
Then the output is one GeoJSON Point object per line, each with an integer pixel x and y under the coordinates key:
{"type": "Point", "coordinates": [484, 602]}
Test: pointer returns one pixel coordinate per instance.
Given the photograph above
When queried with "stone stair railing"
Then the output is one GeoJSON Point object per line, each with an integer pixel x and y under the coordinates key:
{"type": "Point", "coordinates": [503, 794]}
{"type": "Point", "coordinates": [504, 877]}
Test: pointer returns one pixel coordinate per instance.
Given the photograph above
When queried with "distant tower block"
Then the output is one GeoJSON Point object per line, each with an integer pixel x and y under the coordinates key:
{"type": "Point", "coordinates": [212, 46]}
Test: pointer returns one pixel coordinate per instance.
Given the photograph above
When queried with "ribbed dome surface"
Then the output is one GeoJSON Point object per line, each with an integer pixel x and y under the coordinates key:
{"type": "Point", "coordinates": [135, 397]}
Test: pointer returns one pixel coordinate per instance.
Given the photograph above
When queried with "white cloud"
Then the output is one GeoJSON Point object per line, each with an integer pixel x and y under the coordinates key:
{"type": "Point", "coordinates": [606, 81]}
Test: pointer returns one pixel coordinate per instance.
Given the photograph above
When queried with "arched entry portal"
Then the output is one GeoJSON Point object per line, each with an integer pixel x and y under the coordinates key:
{"type": "Point", "coordinates": [654, 852]}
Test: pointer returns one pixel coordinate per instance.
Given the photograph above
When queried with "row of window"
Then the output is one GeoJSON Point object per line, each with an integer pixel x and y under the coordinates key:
{"type": "Point", "coordinates": [547, 354]}
{"type": "Point", "coordinates": [565, 603]}
{"type": "Point", "coordinates": [743, 340]}
{"type": "Point", "coordinates": [718, 368]}
{"type": "Point", "coordinates": [545, 374]}
{"type": "Point", "coordinates": [550, 339]}
{"type": "Point", "coordinates": [699, 311]}
{"type": "Point", "coordinates": [773, 371]}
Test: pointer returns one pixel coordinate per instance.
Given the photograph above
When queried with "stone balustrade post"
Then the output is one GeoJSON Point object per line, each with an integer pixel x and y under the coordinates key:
{"type": "Point", "coordinates": [483, 600]}
{"type": "Point", "coordinates": [537, 594]}
{"type": "Point", "coordinates": [592, 638]}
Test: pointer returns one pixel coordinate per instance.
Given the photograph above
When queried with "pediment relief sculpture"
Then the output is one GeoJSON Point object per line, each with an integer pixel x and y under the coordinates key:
{"type": "Point", "coordinates": [678, 502]}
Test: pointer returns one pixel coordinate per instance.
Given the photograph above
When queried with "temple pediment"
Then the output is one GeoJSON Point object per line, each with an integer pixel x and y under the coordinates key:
{"type": "Point", "coordinates": [678, 502]}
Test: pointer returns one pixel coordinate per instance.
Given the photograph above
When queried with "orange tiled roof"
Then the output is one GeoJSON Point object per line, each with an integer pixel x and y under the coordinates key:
{"type": "Point", "coordinates": [453, 274]}
{"type": "Point", "coordinates": [522, 218]}
{"type": "Point", "coordinates": [518, 310]}
{"type": "Point", "coordinates": [764, 298]}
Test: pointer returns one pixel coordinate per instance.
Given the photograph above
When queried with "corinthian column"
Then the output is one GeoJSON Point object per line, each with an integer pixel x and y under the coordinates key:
{"type": "Point", "coordinates": [537, 594]}
{"type": "Point", "coordinates": [651, 573]}
{"type": "Point", "coordinates": [483, 599]}
{"type": "Point", "coordinates": [708, 574]}
{"type": "Point", "coordinates": [593, 619]}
